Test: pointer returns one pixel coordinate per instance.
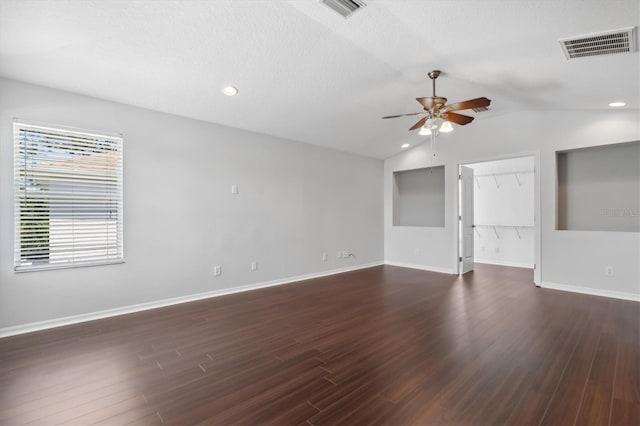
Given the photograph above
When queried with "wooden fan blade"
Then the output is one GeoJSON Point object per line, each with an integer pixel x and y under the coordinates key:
{"type": "Point", "coordinates": [427, 103]}
{"type": "Point", "coordinates": [419, 123]}
{"type": "Point", "coordinates": [457, 118]}
{"type": "Point", "coordinates": [403, 115]}
{"type": "Point", "coordinates": [471, 103]}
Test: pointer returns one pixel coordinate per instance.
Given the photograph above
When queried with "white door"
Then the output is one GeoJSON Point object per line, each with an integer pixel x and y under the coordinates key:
{"type": "Point", "coordinates": [466, 219]}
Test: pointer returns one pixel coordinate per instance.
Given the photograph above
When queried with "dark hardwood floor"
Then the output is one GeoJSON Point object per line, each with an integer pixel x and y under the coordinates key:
{"type": "Point", "coordinates": [384, 345]}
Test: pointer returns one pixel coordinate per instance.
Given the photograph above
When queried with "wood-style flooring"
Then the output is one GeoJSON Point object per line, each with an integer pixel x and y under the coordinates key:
{"type": "Point", "coordinates": [384, 345]}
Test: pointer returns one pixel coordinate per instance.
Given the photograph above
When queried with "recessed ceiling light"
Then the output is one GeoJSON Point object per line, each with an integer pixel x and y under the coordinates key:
{"type": "Point", "coordinates": [229, 90]}
{"type": "Point", "coordinates": [617, 104]}
{"type": "Point", "coordinates": [405, 145]}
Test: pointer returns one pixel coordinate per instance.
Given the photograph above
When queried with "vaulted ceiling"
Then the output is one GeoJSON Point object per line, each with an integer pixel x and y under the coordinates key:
{"type": "Point", "coordinates": [307, 74]}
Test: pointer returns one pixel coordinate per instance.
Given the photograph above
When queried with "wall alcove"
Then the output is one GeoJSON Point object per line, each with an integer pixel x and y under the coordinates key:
{"type": "Point", "coordinates": [418, 197]}
{"type": "Point", "coordinates": [598, 188]}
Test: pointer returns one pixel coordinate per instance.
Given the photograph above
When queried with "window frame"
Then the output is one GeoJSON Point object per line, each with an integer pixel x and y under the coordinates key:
{"type": "Point", "coordinates": [67, 133]}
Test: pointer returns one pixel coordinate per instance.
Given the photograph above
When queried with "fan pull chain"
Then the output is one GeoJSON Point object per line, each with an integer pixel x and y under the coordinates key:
{"type": "Point", "coordinates": [433, 153]}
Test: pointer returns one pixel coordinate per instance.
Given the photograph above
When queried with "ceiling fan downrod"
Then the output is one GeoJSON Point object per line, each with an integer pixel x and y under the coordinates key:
{"type": "Point", "coordinates": [433, 75]}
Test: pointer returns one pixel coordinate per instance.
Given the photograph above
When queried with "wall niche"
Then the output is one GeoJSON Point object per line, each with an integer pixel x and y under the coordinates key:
{"type": "Point", "coordinates": [418, 197]}
{"type": "Point", "coordinates": [598, 188]}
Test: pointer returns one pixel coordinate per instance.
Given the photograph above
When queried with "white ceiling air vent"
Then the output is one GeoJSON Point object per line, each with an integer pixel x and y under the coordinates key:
{"type": "Point", "coordinates": [345, 8]}
{"type": "Point", "coordinates": [480, 109]}
{"type": "Point", "coordinates": [603, 43]}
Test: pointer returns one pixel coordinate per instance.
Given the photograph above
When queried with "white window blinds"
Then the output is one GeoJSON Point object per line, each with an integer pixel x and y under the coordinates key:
{"type": "Point", "coordinates": [68, 198]}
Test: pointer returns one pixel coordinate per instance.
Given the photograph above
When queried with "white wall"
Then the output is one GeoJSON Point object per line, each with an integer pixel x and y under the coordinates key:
{"type": "Point", "coordinates": [570, 258]}
{"type": "Point", "coordinates": [295, 202]}
{"type": "Point", "coordinates": [505, 202]}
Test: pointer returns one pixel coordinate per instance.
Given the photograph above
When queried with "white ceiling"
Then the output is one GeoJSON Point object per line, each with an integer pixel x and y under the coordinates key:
{"type": "Point", "coordinates": [305, 73]}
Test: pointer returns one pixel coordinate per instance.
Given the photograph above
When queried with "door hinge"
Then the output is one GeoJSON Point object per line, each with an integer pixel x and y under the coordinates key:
{"type": "Point", "coordinates": [459, 217]}
{"type": "Point", "coordinates": [459, 259]}
{"type": "Point", "coordinates": [459, 176]}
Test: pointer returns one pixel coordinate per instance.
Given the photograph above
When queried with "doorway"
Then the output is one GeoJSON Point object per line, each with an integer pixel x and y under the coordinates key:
{"type": "Point", "coordinates": [498, 203]}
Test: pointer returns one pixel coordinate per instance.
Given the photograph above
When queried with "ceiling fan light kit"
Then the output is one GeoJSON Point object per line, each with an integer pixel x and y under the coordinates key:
{"type": "Point", "coordinates": [424, 131]}
{"type": "Point", "coordinates": [446, 127]}
{"type": "Point", "coordinates": [431, 124]}
{"type": "Point", "coordinates": [436, 125]}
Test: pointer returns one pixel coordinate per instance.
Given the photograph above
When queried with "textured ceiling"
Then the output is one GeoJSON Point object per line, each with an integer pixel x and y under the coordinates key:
{"type": "Point", "coordinates": [305, 73]}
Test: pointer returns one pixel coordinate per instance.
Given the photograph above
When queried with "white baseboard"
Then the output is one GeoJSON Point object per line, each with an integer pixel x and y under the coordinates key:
{"type": "Point", "coordinates": [74, 319]}
{"type": "Point", "coordinates": [503, 263]}
{"type": "Point", "coordinates": [421, 267]}
{"type": "Point", "coordinates": [591, 291]}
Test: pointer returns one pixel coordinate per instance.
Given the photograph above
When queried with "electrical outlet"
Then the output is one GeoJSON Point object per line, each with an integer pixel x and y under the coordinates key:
{"type": "Point", "coordinates": [217, 270]}
{"type": "Point", "coordinates": [254, 265]}
{"type": "Point", "coordinates": [234, 189]}
{"type": "Point", "coordinates": [609, 271]}
{"type": "Point", "coordinates": [325, 257]}
{"type": "Point", "coordinates": [339, 255]}
{"type": "Point", "coordinates": [345, 254]}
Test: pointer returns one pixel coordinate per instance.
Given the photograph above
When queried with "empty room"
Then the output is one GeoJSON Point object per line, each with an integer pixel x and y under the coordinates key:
{"type": "Point", "coordinates": [319, 212]}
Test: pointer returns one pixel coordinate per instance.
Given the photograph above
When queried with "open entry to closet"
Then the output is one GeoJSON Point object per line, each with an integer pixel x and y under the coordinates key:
{"type": "Point", "coordinates": [504, 212]}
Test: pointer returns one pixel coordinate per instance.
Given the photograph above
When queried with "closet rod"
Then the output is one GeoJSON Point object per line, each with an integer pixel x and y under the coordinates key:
{"type": "Point", "coordinates": [507, 226]}
{"type": "Point", "coordinates": [495, 231]}
{"type": "Point", "coordinates": [521, 172]}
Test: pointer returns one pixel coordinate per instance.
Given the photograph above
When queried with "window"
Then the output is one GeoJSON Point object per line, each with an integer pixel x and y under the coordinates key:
{"type": "Point", "coordinates": [68, 198]}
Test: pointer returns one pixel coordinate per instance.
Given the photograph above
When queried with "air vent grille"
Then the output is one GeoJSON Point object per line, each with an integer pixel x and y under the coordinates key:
{"type": "Point", "coordinates": [346, 8]}
{"type": "Point", "coordinates": [604, 43]}
{"type": "Point", "coordinates": [480, 109]}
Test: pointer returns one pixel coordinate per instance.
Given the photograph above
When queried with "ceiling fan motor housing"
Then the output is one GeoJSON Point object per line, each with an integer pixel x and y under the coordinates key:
{"type": "Point", "coordinates": [439, 101]}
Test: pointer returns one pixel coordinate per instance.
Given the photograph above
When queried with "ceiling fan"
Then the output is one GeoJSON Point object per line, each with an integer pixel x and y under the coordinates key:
{"type": "Point", "coordinates": [438, 115]}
